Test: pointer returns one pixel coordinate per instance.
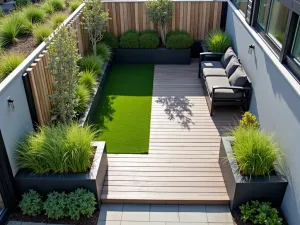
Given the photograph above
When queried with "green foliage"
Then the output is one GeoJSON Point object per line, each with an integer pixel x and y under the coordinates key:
{"type": "Point", "coordinates": [148, 40]}
{"type": "Point", "coordinates": [48, 7]}
{"type": "Point", "coordinates": [56, 205]}
{"type": "Point", "coordinates": [83, 96]}
{"type": "Point", "coordinates": [13, 26]}
{"type": "Point", "coordinates": [22, 3]}
{"type": "Point", "coordinates": [179, 41]}
{"type": "Point", "coordinates": [31, 203]}
{"type": "Point", "coordinates": [58, 18]}
{"type": "Point", "coordinates": [2, 14]}
{"type": "Point", "coordinates": [34, 14]}
{"type": "Point", "coordinates": [81, 203]}
{"type": "Point", "coordinates": [104, 51]}
{"type": "Point", "coordinates": [57, 149]}
{"type": "Point", "coordinates": [58, 5]}
{"type": "Point", "coordinates": [110, 39]}
{"type": "Point", "coordinates": [254, 151]}
{"type": "Point", "coordinates": [96, 20]}
{"type": "Point", "coordinates": [260, 213]}
{"type": "Point", "coordinates": [176, 32]}
{"type": "Point", "coordinates": [88, 79]}
{"type": "Point", "coordinates": [160, 13]}
{"type": "Point", "coordinates": [154, 32]}
{"type": "Point", "coordinates": [63, 59]}
{"type": "Point", "coordinates": [9, 62]}
{"type": "Point", "coordinates": [74, 5]}
{"type": "Point", "coordinates": [249, 120]}
{"type": "Point", "coordinates": [41, 32]}
{"type": "Point", "coordinates": [218, 41]}
{"type": "Point", "coordinates": [129, 39]}
{"type": "Point", "coordinates": [92, 63]}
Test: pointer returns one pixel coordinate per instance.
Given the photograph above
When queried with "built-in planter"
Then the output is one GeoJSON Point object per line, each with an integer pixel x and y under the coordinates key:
{"type": "Point", "coordinates": [204, 47]}
{"type": "Point", "coordinates": [152, 56]}
{"type": "Point", "coordinates": [88, 114]}
{"type": "Point", "coordinates": [243, 188]}
{"type": "Point", "coordinates": [44, 183]}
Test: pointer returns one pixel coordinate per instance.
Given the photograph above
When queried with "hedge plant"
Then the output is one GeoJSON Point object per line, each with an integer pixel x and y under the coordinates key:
{"type": "Point", "coordinates": [154, 32]}
{"type": "Point", "coordinates": [176, 32]}
{"type": "Point", "coordinates": [111, 40]}
{"type": "Point", "coordinates": [218, 41]}
{"type": "Point", "coordinates": [129, 39]}
{"type": "Point", "coordinates": [31, 203]}
{"type": "Point", "coordinates": [148, 40]}
{"type": "Point", "coordinates": [56, 205]}
{"type": "Point", "coordinates": [179, 41]}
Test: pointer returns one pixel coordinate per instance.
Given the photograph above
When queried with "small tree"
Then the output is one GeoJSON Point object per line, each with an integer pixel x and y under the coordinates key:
{"type": "Point", "coordinates": [95, 21]}
{"type": "Point", "coordinates": [63, 59]}
{"type": "Point", "coordinates": [160, 12]}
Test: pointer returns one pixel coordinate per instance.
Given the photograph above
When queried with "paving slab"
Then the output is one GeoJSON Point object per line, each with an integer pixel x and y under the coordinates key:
{"type": "Point", "coordinates": [218, 214]}
{"type": "Point", "coordinates": [141, 223]}
{"type": "Point", "coordinates": [164, 213]}
{"type": "Point", "coordinates": [111, 212]}
{"type": "Point", "coordinates": [134, 212]}
{"type": "Point", "coordinates": [14, 223]}
{"type": "Point", "coordinates": [192, 213]}
{"type": "Point", "coordinates": [109, 223]}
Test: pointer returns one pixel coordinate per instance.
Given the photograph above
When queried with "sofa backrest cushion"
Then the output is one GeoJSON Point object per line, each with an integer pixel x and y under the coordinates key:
{"type": "Point", "coordinates": [232, 66]}
{"type": "Point", "coordinates": [238, 78]}
{"type": "Point", "coordinates": [227, 56]}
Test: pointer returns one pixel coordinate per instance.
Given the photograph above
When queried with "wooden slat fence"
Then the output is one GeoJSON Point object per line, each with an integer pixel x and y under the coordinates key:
{"type": "Point", "coordinates": [198, 18]}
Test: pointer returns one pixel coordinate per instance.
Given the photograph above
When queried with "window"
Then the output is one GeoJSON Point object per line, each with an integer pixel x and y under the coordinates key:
{"type": "Point", "coordinates": [296, 44]}
{"type": "Point", "coordinates": [263, 13]}
{"type": "Point", "coordinates": [242, 5]}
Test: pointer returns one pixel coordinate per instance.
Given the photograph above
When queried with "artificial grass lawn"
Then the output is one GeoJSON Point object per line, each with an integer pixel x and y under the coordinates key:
{"type": "Point", "coordinates": [123, 114]}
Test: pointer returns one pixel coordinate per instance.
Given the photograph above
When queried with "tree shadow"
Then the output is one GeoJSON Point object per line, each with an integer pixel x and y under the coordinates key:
{"type": "Point", "coordinates": [178, 107]}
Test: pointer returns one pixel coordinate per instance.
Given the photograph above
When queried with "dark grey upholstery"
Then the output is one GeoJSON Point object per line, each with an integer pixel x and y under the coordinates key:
{"type": "Point", "coordinates": [232, 66]}
{"type": "Point", "coordinates": [238, 78]}
{"type": "Point", "coordinates": [227, 56]}
{"type": "Point", "coordinates": [212, 68]}
{"type": "Point", "coordinates": [221, 93]}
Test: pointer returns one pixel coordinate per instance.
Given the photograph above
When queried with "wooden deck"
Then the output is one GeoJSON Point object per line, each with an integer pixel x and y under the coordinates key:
{"type": "Point", "coordinates": [182, 164]}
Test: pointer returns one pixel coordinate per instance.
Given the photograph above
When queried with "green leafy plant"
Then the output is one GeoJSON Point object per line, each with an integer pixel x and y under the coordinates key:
{"type": "Point", "coordinates": [58, 18]}
{"type": "Point", "coordinates": [92, 63]}
{"type": "Point", "coordinates": [148, 40]}
{"type": "Point", "coordinates": [63, 60]}
{"type": "Point", "coordinates": [34, 14]}
{"type": "Point", "coordinates": [254, 151]}
{"type": "Point", "coordinates": [179, 41]}
{"type": "Point", "coordinates": [13, 26]}
{"type": "Point", "coordinates": [154, 32]}
{"type": "Point", "coordinates": [81, 203]}
{"type": "Point", "coordinates": [110, 39]}
{"type": "Point", "coordinates": [176, 32]}
{"type": "Point", "coordinates": [31, 203]}
{"type": "Point", "coordinates": [160, 13]}
{"type": "Point", "coordinates": [218, 41]}
{"type": "Point", "coordinates": [249, 120]}
{"type": "Point", "coordinates": [41, 32]}
{"type": "Point", "coordinates": [260, 213]}
{"type": "Point", "coordinates": [104, 51]}
{"type": "Point", "coordinates": [57, 149]}
{"type": "Point", "coordinates": [48, 7]}
{"type": "Point", "coordinates": [56, 205]}
{"type": "Point", "coordinates": [74, 5]}
{"type": "Point", "coordinates": [83, 96]}
{"type": "Point", "coordinates": [22, 3]}
{"type": "Point", "coordinates": [129, 39]}
{"type": "Point", "coordinates": [95, 23]}
{"type": "Point", "coordinates": [9, 62]}
{"type": "Point", "coordinates": [88, 79]}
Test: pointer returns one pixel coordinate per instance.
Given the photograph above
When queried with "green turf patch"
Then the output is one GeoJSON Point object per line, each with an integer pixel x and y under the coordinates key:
{"type": "Point", "coordinates": [123, 114]}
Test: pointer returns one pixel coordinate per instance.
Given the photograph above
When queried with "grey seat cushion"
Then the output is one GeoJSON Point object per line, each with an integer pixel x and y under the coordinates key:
{"type": "Point", "coordinates": [238, 78]}
{"type": "Point", "coordinates": [232, 66]}
{"type": "Point", "coordinates": [227, 56]}
{"type": "Point", "coordinates": [221, 93]}
{"type": "Point", "coordinates": [212, 68]}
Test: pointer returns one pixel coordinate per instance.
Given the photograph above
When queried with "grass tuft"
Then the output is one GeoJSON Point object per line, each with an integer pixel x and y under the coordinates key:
{"type": "Point", "coordinates": [88, 79]}
{"type": "Point", "coordinates": [91, 63]}
{"type": "Point", "coordinates": [9, 62]}
{"type": "Point", "coordinates": [74, 5]}
{"type": "Point", "coordinates": [58, 18]}
{"type": "Point", "coordinates": [41, 32]}
{"type": "Point", "coordinates": [34, 14]}
{"type": "Point", "coordinates": [83, 96]}
{"type": "Point", "coordinates": [104, 51]}
{"type": "Point", "coordinates": [218, 41]}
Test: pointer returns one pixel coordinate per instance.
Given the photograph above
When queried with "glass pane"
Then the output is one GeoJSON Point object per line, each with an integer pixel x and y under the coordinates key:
{"type": "Point", "coordinates": [242, 5]}
{"type": "Point", "coordinates": [278, 21]}
{"type": "Point", "coordinates": [263, 13]}
{"type": "Point", "coordinates": [296, 45]}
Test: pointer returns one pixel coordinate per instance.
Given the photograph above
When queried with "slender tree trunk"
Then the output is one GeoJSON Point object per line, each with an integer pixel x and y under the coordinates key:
{"type": "Point", "coordinates": [94, 44]}
{"type": "Point", "coordinates": [162, 34]}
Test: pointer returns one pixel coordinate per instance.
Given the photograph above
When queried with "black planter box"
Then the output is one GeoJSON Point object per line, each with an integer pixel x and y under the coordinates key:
{"type": "Point", "coordinates": [89, 113]}
{"type": "Point", "coordinates": [243, 188]}
{"type": "Point", "coordinates": [44, 183]}
{"type": "Point", "coordinates": [152, 56]}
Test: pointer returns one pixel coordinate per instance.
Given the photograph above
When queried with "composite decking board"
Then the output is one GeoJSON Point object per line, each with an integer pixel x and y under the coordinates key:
{"type": "Point", "coordinates": [182, 164]}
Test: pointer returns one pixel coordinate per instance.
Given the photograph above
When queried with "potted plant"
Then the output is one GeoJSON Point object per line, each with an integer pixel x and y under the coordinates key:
{"type": "Point", "coordinates": [249, 161]}
{"type": "Point", "coordinates": [216, 41]}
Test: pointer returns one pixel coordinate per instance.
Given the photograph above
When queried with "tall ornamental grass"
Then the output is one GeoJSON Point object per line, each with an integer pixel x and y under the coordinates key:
{"type": "Point", "coordinates": [34, 14]}
{"type": "Point", "coordinates": [57, 149]}
{"type": "Point", "coordinates": [9, 62]}
{"type": "Point", "coordinates": [218, 41]}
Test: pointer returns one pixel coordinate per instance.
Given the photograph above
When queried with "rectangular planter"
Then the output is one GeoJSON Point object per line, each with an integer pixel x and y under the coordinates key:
{"type": "Point", "coordinates": [152, 56]}
{"type": "Point", "coordinates": [44, 183]}
{"type": "Point", "coordinates": [243, 188]}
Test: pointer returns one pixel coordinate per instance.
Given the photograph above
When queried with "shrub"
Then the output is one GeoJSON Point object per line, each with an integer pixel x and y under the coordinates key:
{"type": "Point", "coordinates": [149, 40]}
{"type": "Point", "coordinates": [176, 32]}
{"type": "Point", "coordinates": [110, 39]}
{"type": "Point", "coordinates": [248, 120]}
{"type": "Point", "coordinates": [254, 151]}
{"type": "Point", "coordinates": [31, 203]}
{"type": "Point", "coordinates": [34, 14]}
{"type": "Point", "coordinates": [48, 7]}
{"type": "Point", "coordinates": [41, 32]}
{"type": "Point", "coordinates": [58, 5]}
{"type": "Point", "coordinates": [22, 3]}
{"type": "Point", "coordinates": [83, 96]}
{"type": "Point", "coordinates": [154, 32]}
{"type": "Point", "coordinates": [179, 41]}
{"type": "Point", "coordinates": [13, 26]}
{"type": "Point", "coordinates": [56, 205]}
{"type": "Point", "coordinates": [88, 79]}
{"type": "Point", "coordinates": [58, 18]}
{"type": "Point", "coordinates": [9, 62]}
{"type": "Point", "coordinates": [260, 213]}
{"type": "Point", "coordinates": [81, 203]}
{"type": "Point", "coordinates": [218, 41]}
{"type": "Point", "coordinates": [129, 39]}
{"type": "Point", "coordinates": [57, 149]}
{"type": "Point", "coordinates": [74, 5]}
{"type": "Point", "coordinates": [92, 63]}
{"type": "Point", "coordinates": [104, 51]}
